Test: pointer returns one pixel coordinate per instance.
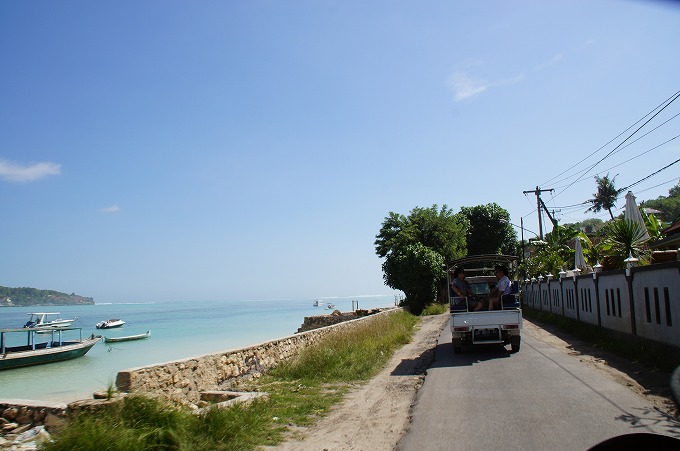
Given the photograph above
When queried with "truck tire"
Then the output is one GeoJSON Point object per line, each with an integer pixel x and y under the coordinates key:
{"type": "Point", "coordinates": [457, 346]}
{"type": "Point", "coordinates": [515, 344]}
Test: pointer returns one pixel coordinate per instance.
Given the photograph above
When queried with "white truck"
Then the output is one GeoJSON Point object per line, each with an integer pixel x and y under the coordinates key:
{"type": "Point", "coordinates": [472, 327]}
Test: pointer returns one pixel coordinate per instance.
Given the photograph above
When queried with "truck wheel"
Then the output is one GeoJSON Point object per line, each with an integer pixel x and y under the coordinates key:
{"type": "Point", "coordinates": [457, 346]}
{"type": "Point", "coordinates": [515, 345]}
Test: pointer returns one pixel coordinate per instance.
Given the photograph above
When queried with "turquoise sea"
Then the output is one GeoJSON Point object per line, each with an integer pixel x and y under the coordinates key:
{"type": "Point", "coordinates": [178, 330]}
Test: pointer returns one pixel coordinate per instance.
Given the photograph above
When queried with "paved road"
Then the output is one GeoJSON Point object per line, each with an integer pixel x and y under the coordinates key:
{"type": "Point", "coordinates": [538, 398]}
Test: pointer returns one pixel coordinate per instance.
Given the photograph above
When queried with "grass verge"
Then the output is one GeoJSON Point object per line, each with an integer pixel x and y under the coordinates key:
{"type": "Point", "coordinates": [435, 309]}
{"type": "Point", "coordinates": [300, 391]}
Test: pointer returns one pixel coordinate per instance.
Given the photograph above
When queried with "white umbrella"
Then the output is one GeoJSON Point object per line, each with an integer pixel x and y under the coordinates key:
{"type": "Point", "coordinates": [632, 213]}
{"type": "Point", "coordinates": [579, 260]}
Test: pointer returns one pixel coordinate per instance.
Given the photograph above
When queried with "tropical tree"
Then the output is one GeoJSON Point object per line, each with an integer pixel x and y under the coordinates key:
{"type": "Point", "coordinates": [437, 228]}
{"type": "Point", "coordinates": [605, 198]}
{"type": "Point", "coordinates": [625, 239]}
{"type": "Point", "coordinates": [669, 206]}
{"type": "Point", "coordinates": [557, 252]}
{"type": "Point", "coordinates": [434, 228]}
{"type": "Point", "coordinates": [416, 270]}
{"type": "Point", "coordinates": [490, 231]}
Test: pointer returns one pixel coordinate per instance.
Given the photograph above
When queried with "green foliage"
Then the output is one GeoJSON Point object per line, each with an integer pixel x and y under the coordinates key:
{"type": "Point", "coordinates": [653, 225]}
{"type": "Point", "coordinates": [438, 229]}
{"type": "Point", "coordinates": [351, 354]}
{"type": "Point", "coordinates": [435, 309]}
{"type": "Point", "coordinates": [623, 239]}
{"type": "Point", "coordinates": [606, 195]}
{"type": "Point", "coordinates": [557, 253]}
{"type": "Point", "coordinates": [300, 391]}
{"type": "Point", "coordinates": [490, 231]}
{"type": "Point", "coordinates": [589, 226]}
{"type": "Point", "coordinates": [415, 270]}
{"type": "Point", "coordinates": [415, 248]}
{"type": "Point", "coordinates": [669, 206]}
{"type": "Point", "coordinates": [25, 296]}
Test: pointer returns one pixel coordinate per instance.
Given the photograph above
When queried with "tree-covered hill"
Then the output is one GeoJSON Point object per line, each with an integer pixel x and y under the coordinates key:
{"type": "Point", "coordinates": [16, 297]}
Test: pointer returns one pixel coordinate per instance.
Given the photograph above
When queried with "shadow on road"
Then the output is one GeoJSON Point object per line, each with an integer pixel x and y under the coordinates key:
{"type": "Point", "coordinates": [652, 417]}
{"type": "Point", "coordinates": [445, 357]}
{"type": "Point", "coordinates": [416, 366]}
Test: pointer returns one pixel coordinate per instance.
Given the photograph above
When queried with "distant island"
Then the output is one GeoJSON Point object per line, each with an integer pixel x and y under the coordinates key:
{"type": "Point", "coordinates": [24, 297]}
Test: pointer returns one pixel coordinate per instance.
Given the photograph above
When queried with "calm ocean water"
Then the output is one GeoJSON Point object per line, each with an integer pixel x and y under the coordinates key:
{"type": "Point", "coordinates": [178, 330]}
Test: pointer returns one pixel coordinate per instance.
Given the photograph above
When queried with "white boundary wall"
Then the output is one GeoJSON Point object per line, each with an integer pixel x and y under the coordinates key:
{"type": "Point", "coordinates": [642, 301]}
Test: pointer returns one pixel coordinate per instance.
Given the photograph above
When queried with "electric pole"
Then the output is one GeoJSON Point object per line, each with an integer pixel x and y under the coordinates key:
{"type": "Point", "coordinates": [539, 205]}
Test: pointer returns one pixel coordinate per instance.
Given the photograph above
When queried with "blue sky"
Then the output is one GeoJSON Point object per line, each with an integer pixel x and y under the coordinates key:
{"type": "Point", "coordinates": [170, 150]}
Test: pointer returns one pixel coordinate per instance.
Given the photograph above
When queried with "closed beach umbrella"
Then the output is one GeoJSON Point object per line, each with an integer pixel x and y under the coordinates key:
{"type": "Point", "coordinates": [632, 213]}
{"type": "Point", "coordinates": [579, 260]}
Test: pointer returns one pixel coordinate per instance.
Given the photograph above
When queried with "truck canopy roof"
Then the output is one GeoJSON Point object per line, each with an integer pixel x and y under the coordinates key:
{"type": "Point", "coordinates": [477, 264]}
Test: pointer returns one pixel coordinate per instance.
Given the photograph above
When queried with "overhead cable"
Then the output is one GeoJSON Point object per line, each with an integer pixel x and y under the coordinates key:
{"type": "Point", "coordinates": [650, 175]}
{"type": "Point", "coordinates": [612, 140]}
{"type": "Point", "coordinates": [622, 142]}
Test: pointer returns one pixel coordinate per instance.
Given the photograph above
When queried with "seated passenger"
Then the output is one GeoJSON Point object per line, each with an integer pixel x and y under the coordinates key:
{"type": "Point", "coordinates": [503, 286]}
{"type": "Point", "coordinates": [461, 287]}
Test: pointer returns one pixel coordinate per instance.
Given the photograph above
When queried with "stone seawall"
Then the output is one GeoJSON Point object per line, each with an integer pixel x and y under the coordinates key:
{"type": "Point", "coordinates": [184, 380]}
{"type": "Point", "coordinates": [317, 322]}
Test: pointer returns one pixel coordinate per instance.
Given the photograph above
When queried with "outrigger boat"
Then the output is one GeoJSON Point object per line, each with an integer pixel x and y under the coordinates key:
{"type": "Point", "coordinates": [127, 338]}
{"type": "Point", "coordinates": [35, 353]}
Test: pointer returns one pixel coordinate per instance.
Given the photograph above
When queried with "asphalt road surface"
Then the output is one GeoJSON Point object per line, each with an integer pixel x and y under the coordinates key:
{"type": "Point", "coordinates": [538, 398]}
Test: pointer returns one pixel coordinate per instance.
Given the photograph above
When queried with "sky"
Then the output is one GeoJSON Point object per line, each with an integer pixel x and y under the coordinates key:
{"type": "Point", "coordinates": [216, 150]}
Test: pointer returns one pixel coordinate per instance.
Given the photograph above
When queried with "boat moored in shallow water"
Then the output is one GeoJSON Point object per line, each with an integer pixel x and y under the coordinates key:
{"type": "Point", "coordinates": [36, 352]}
{"type": "Point", "coordinates": [110, 324]}
{"type": "Point", "coordinates": [127, 338]}
{"type": "Point", "coordinates": [41, 320]}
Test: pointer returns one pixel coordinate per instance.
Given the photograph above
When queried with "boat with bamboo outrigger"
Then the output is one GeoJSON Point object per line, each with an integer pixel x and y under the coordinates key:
{"type": "Point", "coordinates": [50, 346]}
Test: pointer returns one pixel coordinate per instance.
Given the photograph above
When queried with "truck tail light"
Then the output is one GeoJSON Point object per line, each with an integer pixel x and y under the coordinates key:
{"type": "Point", "coordinates": [460, 329]}
{"type": "Point", "coordinates": [510, 326]}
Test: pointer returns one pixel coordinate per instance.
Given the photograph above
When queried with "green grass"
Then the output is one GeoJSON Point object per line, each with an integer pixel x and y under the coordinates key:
{"type": "Point", "coordinates": [300, 391]}
{"type": "Point", "coordinates": [435, 309]}
{"type": "Point", "coordinates": [649, 353]}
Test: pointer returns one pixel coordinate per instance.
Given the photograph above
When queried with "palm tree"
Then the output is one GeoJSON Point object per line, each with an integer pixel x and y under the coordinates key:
{"type": "Point", "coordinates": [606, 195]}
{"type": "Point", "coordinates": [624, 239]}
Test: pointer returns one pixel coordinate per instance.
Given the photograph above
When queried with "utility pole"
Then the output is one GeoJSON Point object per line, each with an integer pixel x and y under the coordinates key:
{"type": "Point", "coordinates": [539, 205]}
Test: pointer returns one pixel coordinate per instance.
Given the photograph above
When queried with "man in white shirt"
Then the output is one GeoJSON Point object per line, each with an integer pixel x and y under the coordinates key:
{"type": "Point", "coordinates": [503, 286]}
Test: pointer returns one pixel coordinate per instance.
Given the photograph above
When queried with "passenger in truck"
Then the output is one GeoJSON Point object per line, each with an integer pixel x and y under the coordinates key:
{"type": "Point", "coordinates": [462, 289]}
{"type": "Point", "coordinates": [503, 286]}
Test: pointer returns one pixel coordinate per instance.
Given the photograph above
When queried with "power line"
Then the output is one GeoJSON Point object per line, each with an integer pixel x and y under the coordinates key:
{"type": "Point", "coordinates": [660, 184]}
{"type": "Point", "coordinates": [674, 97]}
{"type": "Point", "coordinates": [629, 144]}
{"type": "Point", "coordinates": [612, 140]}
{"type": "Point", "coordinates": [630, 159]}
{"type": "Point", "coordinates": [650, 175]}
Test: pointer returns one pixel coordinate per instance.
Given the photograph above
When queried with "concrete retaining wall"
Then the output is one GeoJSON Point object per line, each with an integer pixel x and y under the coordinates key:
{"type": "Point", "coordinates": [184, 380]}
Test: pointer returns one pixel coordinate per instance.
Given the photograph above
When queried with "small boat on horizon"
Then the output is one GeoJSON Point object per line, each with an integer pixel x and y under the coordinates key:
{"type": "Point", "coordinates": [40, 320]}
{"type": "Point", "coordinates": [318, 303]}
{"type": "Point", "coordinates": [109, 324]}
{"type": "Point", "coordinates": [330, 306]}
{"type": "Point", "coordinates": [35, 352]}
{"type": "Point", "coordinates": [127, 338]}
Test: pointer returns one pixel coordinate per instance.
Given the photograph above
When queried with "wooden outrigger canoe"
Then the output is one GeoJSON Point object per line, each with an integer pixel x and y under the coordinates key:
{"type": "Point", "coordinates": [127, 338]}
{"type": "Point", "coordinates": [35, 352]}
